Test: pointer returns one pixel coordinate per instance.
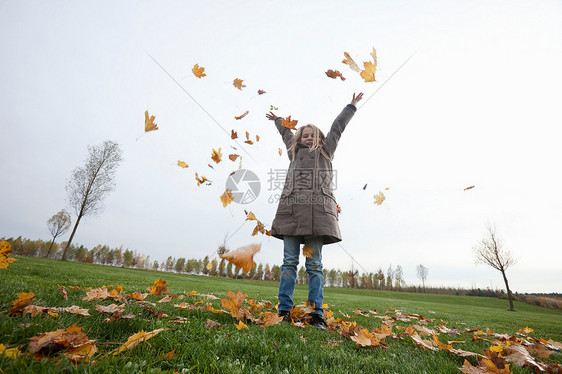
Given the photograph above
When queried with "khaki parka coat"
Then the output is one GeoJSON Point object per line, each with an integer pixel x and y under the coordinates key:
{"type": "Point", "coordinates": [307, 206]}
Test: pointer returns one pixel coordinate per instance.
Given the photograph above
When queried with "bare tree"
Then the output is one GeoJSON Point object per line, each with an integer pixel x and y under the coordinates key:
{"type": "Point", "coordinates": [57, 225]}
{"type": "Point", "coordinates": [422, 274]}
{"type": "Point", "coordinates": [490, 251]}
{"type": "Point", "coordinates": [89, 184]}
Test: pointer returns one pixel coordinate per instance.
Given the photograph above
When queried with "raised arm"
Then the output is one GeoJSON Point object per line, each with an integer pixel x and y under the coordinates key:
{"type": "Point", "coordinates": [286, 134]}
{"type": "Point", "coordinates": [333, 136]}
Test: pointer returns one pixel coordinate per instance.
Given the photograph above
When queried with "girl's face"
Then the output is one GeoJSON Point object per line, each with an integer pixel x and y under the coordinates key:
{"type": "Point", "coordinates": [307, 137]}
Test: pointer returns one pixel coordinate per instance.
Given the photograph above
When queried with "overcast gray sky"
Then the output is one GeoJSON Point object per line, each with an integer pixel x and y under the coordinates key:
{"type": "Point", "coordinates": [477, 104]}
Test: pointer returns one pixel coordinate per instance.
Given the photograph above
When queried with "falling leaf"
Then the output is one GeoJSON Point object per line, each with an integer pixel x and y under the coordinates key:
{"type": "Point", "coordinates": [149, 124]}
{"type": "Point", "coordinates": [136, 339]}
{"type": "Point", "coordinates": [307, 251]}
{"type": "Point", "coordinates": [159, 287]}
{"type": "Point", "coordinates": [379, 198]}
{"type": "Point", "coordinates": [243, 257]}
{"type": "Point", "coordinates": [233, 157]}
{"type": "Point", "coordinates": [349, 61]}
{"type": "Point", "coordinates": [241, 325]}
{"type": "Point", "coordinates": [271, 107]}
{"type": "Point", "coordinates": [250, 216]}
{"type": "Point", "coordinates": [216, 155]}
{"type": "Point", "coordinates": [370, 67]}
{"type": "Point", "coordinates": [9, 352]}
{"type": "Point", "coordinates": [338, 208]}
{"type": "Point", "coordinates": [280, 152]}
{"type": "Point", "coordinates": [365, 186]}
{"type": "Point", "coordinates": [288, 123]}
{"type": "Point", "coordinates": [5, 251]}
{"type": "Point", "coordinates": [182, 164]}
{"type": "Point", "coordinates": [257, 138]}
{"type": "Point", "coordinates": [238, 84]}
{"type": "Point", "coordinates": [248, 142]}
{"type": "Point", "coordinates": [261, 92]}
{"type": "Point", "coordinates": [233, 134]}
{"type": "Point", "coordinates": [334, 74]}
{"type": "Point", "coordinates": [198, 71]}
{"type": "Point", "coordinates": [201, 180]}
{"type": "Point", "coordinates": [226, 198]}
{"type": "Point", "coordinates": [242, 115]}
{"type": "Point", "coordinates": [469, 188]}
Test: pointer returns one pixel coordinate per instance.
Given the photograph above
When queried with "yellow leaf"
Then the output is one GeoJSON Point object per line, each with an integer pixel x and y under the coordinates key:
{"type": "Point", "coordinates": [226, 199]}
{"type": "Point", "coordinates": [149, 124]}
{"type": "Point", "coordinates": [288, 123]}
{"type": "Point", "coordinates": [170, 354]}
{"type": "Point", "coordinates": [369, 73]}
{"type": "Point", "coordinates": [307, 251]}
{"type": "Point", "coordinates": [5, 251]}
{"type": "Point", "coordinates": [234, 303]}
{"type": "Point", "coordinates": [182, 164]}
{"type": "Point", "coordinates": [159, 287]}
{"type": "Point", "coordinates": [349, 61]}
{"type": "Point", "coordinates": [238, 84]}
{"type": "Point", "coordinates": [379, 198]}
{"type": "Point", "coordinates": [241, 325]}
{"type": "Point", "coordinates": [136, 339]}
{"type": "Point", "coordinates": [201, 180]}
{"type": "Point", "coordinates": [198, 71]}
{"type": "Point", "coordinates": [9, 352]}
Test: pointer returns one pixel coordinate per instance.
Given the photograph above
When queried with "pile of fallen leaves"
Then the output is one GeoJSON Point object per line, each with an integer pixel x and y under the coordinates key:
{"type": "Point", "coordinates": [72, 343]}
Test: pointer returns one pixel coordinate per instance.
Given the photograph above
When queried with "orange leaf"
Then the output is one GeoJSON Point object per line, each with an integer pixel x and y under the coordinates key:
{"type": "Point", "coordinates": [149, 124]}
{"type": "Point", "coordinates": [257, 138]}
{"type": "Point", "coordinates": [233, 157]}
{"type": "Point", "coordinates": [201, 180]}
{"type": "Point", "coordinates": [334, 74]}
{"type": "Point", "coordinates": [198, 71]}
{"type": "Point", "coordinates": [70, 337]}
{"type": "Point", "coordinates": [241, 325]}
{"type": "Point", "coordinates": [182, 164]}
{"type": "Point", "coordinates": [242, 115]}
{"type": "Point", "coordinates": [5, 251]}
{"type": "Point", "coordinates": [226, 199]}
{"type": "Point", "coordinates": [159, 287]}
{"type": "Point", "coordinates": [216, 155]}
{"type": "Point", "coordinates": [243, 257]}
{"type": "Point", "coordinates": [248, 142]}
{"type": "Point", "coordinates": [170, 354]}
{"type": "Point", "coordinates": [138, 296]}
{"type": "Point", "coordinates": [233, 135]}
{"type": "Point", "coordinates": [307, 251]}
{"type": "Point", "coordinates": [469, 188]}
{"type": "Point", "coordinates": [288, 123]}
{"type": "Point", "coordinates": [238, 84]}
{"type": "Point", "coordinates": [234, 303]}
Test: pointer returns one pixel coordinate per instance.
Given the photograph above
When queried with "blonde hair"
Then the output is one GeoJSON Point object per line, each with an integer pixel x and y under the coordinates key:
{"type": "Point", "coordinates": [319, 139]}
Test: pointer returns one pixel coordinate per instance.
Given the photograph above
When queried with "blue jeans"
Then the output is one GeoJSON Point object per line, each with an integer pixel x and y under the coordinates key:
{"type": "Point", "coordinates": [313, 264]}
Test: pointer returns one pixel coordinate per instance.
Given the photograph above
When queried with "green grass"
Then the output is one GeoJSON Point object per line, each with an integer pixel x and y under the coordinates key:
{"type": "Point", "coordinates": [281, 348]}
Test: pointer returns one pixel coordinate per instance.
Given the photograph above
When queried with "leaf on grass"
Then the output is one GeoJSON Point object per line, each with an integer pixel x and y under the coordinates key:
{"type": "Point", "coordinates": [212, 325]}
{"type": "Point", "coordinates": [149, 124]}
{"type": "Point", "coordinates": [96, 294]}
{"type": "Point", "coordinates": [5, 251]}
{"type": "Point", "coordinates": [241, 325]}
{"type": "Point", "coordinates": [425, 344]}
{"type": "Point", "coordinates": [112, 308]}
{"type": "Point", "coordinates": [334, 74]}
{"type": "Point", "coordinates": [159, 287]}
{"type": "Point", "coordinates": [288, 123]}
{"type": "Point", "coordinates": [270, 319]}
{"type": "Point", "coordinates": [182, 164]}
{"type": "Point", "coordinates": [216, 156]}
{"type": "Point", "coordinates": [379, 198]}
{"type": "Point", "coordinates": [9, 352]}
{"type": "Point", "coordinates": [170, 354]}
{"type": "Point", "coordinates": [23, 300]}
{"type": "Point", "coordinates": [238, 84]}
{"type": "Point", "coordinates": [72, 341]}
{"type": "Point", "coordinates": [233, 303]}
{"type": "Point", "coordinates": [138, 296]}
{"type": "Point", "coordinates": [526, 331]}
{"type": "Point", "coordinates": [75, 309]}
{"type": "Point", "coordinates": [243, 257]}
{"type": "Point", "coordinates": [307, 251]}
{"type": "Point", "coordinates": [63, 291]}
{"type": "Point", "coordinates": [198, 71]}
{"type": "Point", "coordinates": [136, 339]}
{"type": "Point", "coordinates": [226, 198]}
{"type": "Point", "coordinates": [242, 115]}
{"type": "Point", "coordinates": [365, 338]}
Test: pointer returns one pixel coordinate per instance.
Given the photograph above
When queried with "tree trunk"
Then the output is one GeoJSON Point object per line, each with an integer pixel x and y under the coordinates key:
{"type": "Point", "coordinates": [51, 246]}
{"type": "Point", "coordinates": [71, 236]}
{"type": "Point", "coordinates": [509, 296]}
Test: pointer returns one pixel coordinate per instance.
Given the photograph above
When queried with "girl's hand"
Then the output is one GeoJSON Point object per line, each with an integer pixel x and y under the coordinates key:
{"type": "Point", "coordinates": [271, 116]}
{"type": "Point", "coordinates": [355, 100]}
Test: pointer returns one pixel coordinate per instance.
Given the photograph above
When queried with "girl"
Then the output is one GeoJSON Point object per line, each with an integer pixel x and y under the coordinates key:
{"type": "Point", "coordinates": [307, 212]}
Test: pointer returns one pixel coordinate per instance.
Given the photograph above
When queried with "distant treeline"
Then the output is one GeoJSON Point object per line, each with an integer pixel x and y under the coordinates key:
{"type": "Point", "coordinates": [391, 280]}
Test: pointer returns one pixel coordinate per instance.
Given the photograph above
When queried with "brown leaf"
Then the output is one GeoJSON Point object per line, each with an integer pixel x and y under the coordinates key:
{"type": "Point", "coordinates": [242, 115]}
{"type": "Point", "coordinates": [212, 325]}
{"type": "Point", "coordinates": [234, 303]}
{"type": "Point", "coordinates": [238, 84]}
{"type": "Point", "coordinates": [136, 339]}
{"type": "Point", "coordinates": [334, 74]}
{"type": "Point", "coordinates": [243, 257]}
{"type": "Point", "coordinates": [261, 92]}
{"type": "Point", "coordinates": [70, 337]}
{"type": "Point", "coordinates": [159, 287]}
{"type": "Point", "coordinates": [113, 308]}
{"type": "Point", "coordinates": [96, 294]}
{"type": "Point", "coordinates": [307, 251]}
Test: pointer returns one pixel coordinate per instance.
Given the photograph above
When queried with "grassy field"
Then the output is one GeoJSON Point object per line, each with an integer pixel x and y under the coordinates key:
{"type": "Point", "coordinates": [275, 349]}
